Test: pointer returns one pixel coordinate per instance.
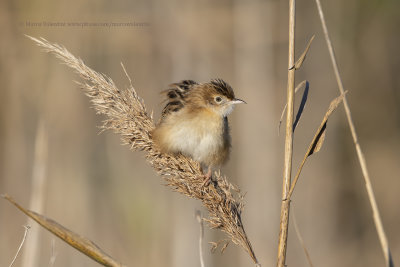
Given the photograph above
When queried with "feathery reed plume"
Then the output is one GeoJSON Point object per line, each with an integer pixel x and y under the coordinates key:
{"type": "Point", "coordinates": [126, 115]}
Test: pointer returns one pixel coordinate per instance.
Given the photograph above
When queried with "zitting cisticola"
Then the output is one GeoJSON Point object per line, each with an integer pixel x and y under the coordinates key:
{"type": "Point", "coordinates": [194, 122]}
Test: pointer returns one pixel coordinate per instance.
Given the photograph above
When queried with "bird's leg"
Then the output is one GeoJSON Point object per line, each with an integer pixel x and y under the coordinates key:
{"type": "Point", "coordinates": [207, 177]}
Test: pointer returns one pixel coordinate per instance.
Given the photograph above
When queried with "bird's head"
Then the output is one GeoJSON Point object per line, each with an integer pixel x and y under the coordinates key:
{"type": "Point", "coordinates": [218, 96]}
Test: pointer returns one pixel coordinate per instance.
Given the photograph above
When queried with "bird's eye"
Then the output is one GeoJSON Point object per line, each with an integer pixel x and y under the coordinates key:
{"type": "Point", "coordinates": [218, 99]}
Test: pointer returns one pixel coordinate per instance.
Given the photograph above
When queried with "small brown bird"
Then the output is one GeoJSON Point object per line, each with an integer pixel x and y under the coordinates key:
{"type": "Point", "coordinates": [194, 122]}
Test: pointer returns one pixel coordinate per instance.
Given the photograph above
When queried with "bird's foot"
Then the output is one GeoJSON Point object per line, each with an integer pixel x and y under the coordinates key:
{"type": "Point", "coordinates": [207, 178]}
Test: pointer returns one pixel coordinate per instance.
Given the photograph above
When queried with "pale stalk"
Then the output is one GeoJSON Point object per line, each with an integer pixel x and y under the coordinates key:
{"type": "Point", "coordinates": [377, 218]}
{"type": "Point", "coordinates": [287, 169]}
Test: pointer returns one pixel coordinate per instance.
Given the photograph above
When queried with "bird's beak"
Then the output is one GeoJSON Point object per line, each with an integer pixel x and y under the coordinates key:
{"type": "Point", "coordinates": [238, 101]}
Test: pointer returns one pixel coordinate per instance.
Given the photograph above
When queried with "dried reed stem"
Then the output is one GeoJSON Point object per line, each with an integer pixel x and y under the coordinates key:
{"type": "Point", "coordinates": [32, 248]}
{"type": "Point", "coordinates": [126, 115]}
{"type": "Point", "coordinates": [199, 219]}
{"type": "Point", "coordinates": [287, 169]}
{"type": "Point", "coordinates": [361, 158]}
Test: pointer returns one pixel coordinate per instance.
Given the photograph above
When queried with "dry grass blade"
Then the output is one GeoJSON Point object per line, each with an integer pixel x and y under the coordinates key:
{"type": "Point", "coordinates": [302, 105]}
{"type": "Point", "coordinates": [80, 243]}
{"type": "Point", "coordinates": [126, 115]}
{"type": "Point", "coordinates": [317, 141]}
{"type": "Point", "coordinates": [301, 59]}
{"type": "Point", "coordinates": [298, 87]}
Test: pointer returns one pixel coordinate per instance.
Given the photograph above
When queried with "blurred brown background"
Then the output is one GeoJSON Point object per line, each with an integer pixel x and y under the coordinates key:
{"type": "Point", "coordinates": [100, 189]}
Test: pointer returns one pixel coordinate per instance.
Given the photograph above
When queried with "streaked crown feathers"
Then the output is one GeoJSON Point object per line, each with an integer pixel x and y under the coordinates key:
{"type": "Point", "coordinates": [196, 93]}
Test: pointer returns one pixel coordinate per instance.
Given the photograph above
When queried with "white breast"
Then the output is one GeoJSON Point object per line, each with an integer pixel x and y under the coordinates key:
{"type": "Point", "coordinates": [198, 138]}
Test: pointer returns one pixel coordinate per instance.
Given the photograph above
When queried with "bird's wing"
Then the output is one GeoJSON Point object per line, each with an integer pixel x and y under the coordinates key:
{"type": "Point", "coordinates": [175, 96]}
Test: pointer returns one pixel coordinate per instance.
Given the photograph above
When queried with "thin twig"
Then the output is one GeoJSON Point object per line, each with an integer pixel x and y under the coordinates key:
{"type": "Point", "coordinates": [377, 218]}
{"type": "Point", "coordinates": [126, 74]}
{"type": "Point", "coordinates": [284, 219]}
{"type": "Point", "coordinates": [296, 227]}
{"type": "Point", "coordinates": [200, 221]}
{"type": "Point", "coordinates": [27, 227]}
